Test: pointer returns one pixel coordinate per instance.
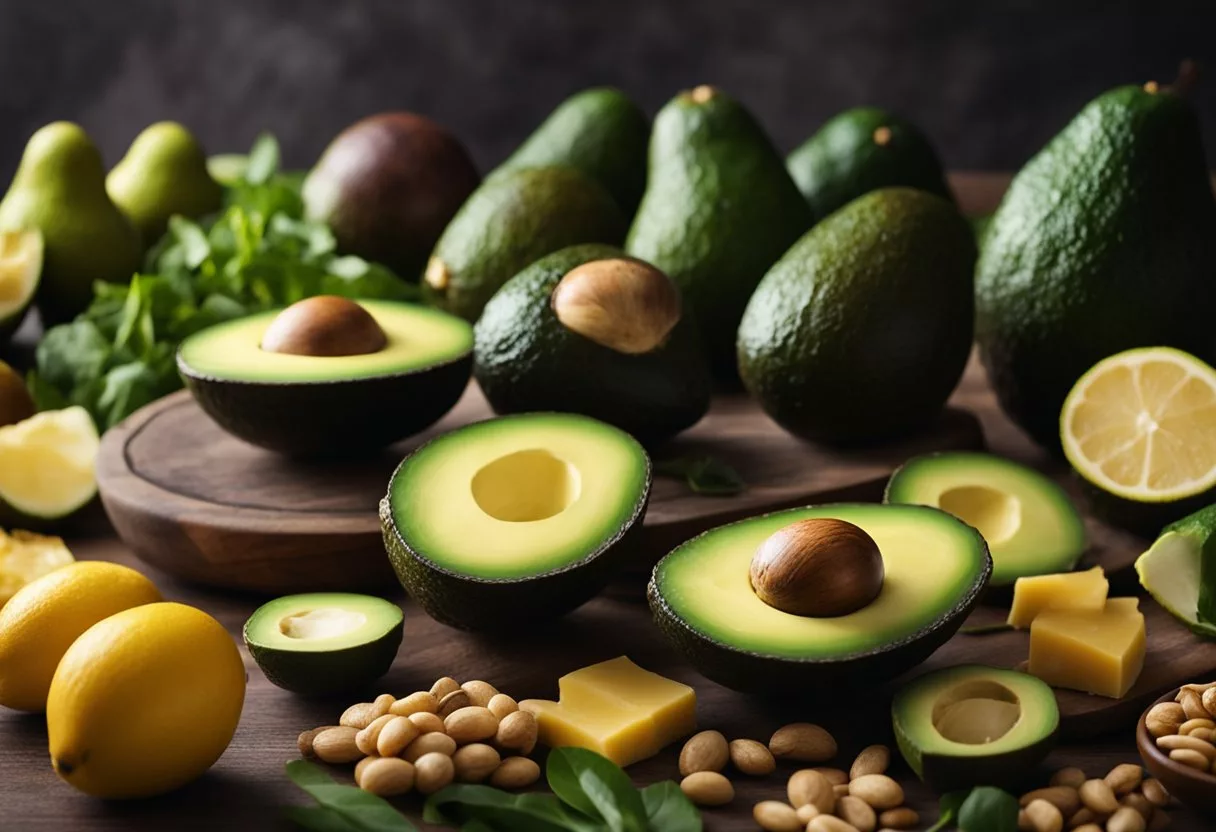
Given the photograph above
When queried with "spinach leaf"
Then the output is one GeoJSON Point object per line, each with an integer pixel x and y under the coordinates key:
{"type": "Point", "coordinates": [669, 809]}
{"type": "Point", "coordinates": [948, 810]}
{"type": "Point", "coordinates": [504, 811]}
{"type": "Point", "coordinates": [597, 787]}
{"type": "Point", "coordinates": [704, 474]}
{"type": "Point", "coordinates": [319, 819]}
{"type": "Point", "coordinates": [988, 809]}
{"type": "Point", "coordinates": [361, 810]}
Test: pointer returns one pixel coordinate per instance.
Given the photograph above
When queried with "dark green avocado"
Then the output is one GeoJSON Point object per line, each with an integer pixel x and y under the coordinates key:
{"type": "Point", "coordinates": [527, 359]}
{"type": "Point", "coordinates": [972, 725]}
{"type": "Point", "coordinates": [862, 150]}
{"type": "Point", "coordinates": [324, 642]}
{"type": "Point", "coordinates": [601, 132]}
{"type": "Point", "coordinates": [862, 330]}
{"type": "Point", "coordinates": [719, 209]}
{"type": "Point", "coordinates": [514, 519]}
{"type": "Point", "coordinates": [936, 567]}
{"type": "Point", "coordinates": [327, 405]}
{"type": "Point", "coordinates": [1105, 241]}
{"type": "Point", "coordinates": [513, 219]}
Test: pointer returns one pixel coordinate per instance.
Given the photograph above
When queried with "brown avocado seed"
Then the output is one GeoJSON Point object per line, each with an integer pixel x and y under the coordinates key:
{"type": "Point", "coordinates": [325, 325]}
{"type": "Point", "coordinates": [820, 567]}
{"type": "Point", "coordinates": [619, 303]}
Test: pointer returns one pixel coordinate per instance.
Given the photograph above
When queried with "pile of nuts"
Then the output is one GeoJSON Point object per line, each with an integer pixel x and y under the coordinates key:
{"type": "Point", "coordinates": [1186, 728]}
{"type": "Point", "coordinates": [821, 799]}
{"type": "Point", "coordinates": [1122, 801]}
{"type": "Point", "coordinates": [469, 733]}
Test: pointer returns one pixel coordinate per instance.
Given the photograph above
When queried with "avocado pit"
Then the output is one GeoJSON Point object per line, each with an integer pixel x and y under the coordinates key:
{"type": "Point", "coordinates": [819, 567]}
{"type": "Point", "coordinates": [324, 326]}
{"type": "Point", "coordinates": [976, 712]}
{"type": "Point", "coordinates": [526, 486]}
{"type": "Point", "coordinates": [620, 303]}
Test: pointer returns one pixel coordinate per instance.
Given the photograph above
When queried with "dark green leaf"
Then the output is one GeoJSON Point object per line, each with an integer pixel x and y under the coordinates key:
{"type": "Point", "coordinates": [46, 396]}
{"type": "Point", "coordinates": [669, 809]}
{"type": "Point", "coordinates": [263, 160]}
{"type": "Point", "coordinates": [988, 809]}
{"type": "Point", "coordinates": [476, 826]}
{"type": "Point", "coordinates": [948, 810]}
{"type": "Point", "coordinates": [596, 787]}
{"type": "Point", "coordinates": [363, 810]}
{"type": "Point", "coordinates": [704, 474]}
{"type": "Point", "coordinates": [195, 247]}
{"type": "Point", "coordinates": [319, 819]}
{"type": "Point", "coordinates": [504, 811]}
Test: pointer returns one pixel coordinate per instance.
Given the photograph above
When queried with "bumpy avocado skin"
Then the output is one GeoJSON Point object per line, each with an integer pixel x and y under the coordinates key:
{"type": "Point", "coordinates": [719, 209]}
{"type": "Point", "coordinates": [526, 360]}
{"type": "Point", "coordinates": [510, 221]}
{"type": "Point", "coordinates": [326, 419]}
{"type": "Point", "coordinates": [1106, 240]}
{"type": "Point", "coordinates": [845, 160]}
{"type": "Point", "coordinates": [601, 132]}
{"type": "Point", "coordinates": [861, 331]}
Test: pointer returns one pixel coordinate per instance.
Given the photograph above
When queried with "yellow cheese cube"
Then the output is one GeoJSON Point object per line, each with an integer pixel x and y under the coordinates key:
{"type": "Point", "coordinates": [1098, 652]}
{"type": "Point", "coordinates": [616, 709]}
{"type": "Point", "coordinates": [1069, 590]}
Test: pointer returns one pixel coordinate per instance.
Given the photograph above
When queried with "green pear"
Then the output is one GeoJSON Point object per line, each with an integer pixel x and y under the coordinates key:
{"type": "Point", "coordinates": [60, 189]}
{"type": "Point", "coordinates": [164, 173]}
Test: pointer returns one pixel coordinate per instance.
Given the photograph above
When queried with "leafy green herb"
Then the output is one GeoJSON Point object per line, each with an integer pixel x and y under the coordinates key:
{"type": "Point", "coordinates": [360, 811]}
{"type": "Point", "coordinates": [704, 474]}
{"type": "Point", "coordinates": [983, 809]}
{"type": "Point", "coordinates": [597, 787]}
{"type": "Point", "coordinates": [258, 253]}
{"type": "Point", "coordinates": [669, 809]}
{"type": "Point", "coordinates": [503, 811]}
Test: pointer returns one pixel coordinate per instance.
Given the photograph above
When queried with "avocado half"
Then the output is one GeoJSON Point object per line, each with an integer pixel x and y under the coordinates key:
{"type": "Point", "coordinates": [972, 725]}
{"type": "Point", "coordinates": [305, 405]}
{"type": "Point", "coordinates": [936, 568]}
{"type": "Point", "coordinates": [522, 517]}
{"type": "Point", "coordinates": [324, 642]}
{"type": "Point", "coordinates": [1027, 520]}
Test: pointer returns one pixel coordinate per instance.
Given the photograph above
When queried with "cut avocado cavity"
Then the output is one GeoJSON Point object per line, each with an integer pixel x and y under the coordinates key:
{"type": "Point", "coordinates": [329, 375]}
{"type": "Point", "coordinates": [524, 516]}
{"type": "Point", "coordinates": [934, 566]}
{"type": "Point", "coordinates": [321, 643]}
{"type": "Point", "coordinates": [1027, 520]}
{"type": "Point", "coordinates": [972, 725]}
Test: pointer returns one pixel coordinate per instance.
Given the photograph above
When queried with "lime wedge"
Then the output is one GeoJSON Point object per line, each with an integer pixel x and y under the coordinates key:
{"type": "Point", "coordinates": [1179, 571]}
{"type": "Point", "coordinates": [47, 466]}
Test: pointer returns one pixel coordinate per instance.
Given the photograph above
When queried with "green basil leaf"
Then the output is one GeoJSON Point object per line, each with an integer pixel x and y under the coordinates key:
{"type": "Point", "coordinates": [704, 474]}
{"type": "Point", "coordinates": [503, 811]}
{"type": "Point", "coordinates": [948, 810]}
{"type": "Point", "coordinates": [319, 819]}
{"type": "Point", "coordinates": [668, 809]}
{"type": "Point", "coordinates": [363, 810]}
{"type": "Point", "coordinates": [988, 809]}
{"type": "Point", "coordinates": [263, 160]}
{"type": "Point", "coordinates": [596, 787]}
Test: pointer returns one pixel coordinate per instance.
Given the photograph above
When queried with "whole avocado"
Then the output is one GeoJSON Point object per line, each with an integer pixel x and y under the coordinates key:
{"type": "Point", "coordinates": [1106, 240]}
{"type": "Point", "coordinates": [510, 221]}
{"type": "Point", "coordinates": [862, 330]}
{"type": "Point", "coordinates": [719, 209]}
{"type": "Point", "coordinates": [861, 150]}
{"type": "Point", "coordinates": [527, 360]}
{"type": "Point", "coordinates": [601, 132]}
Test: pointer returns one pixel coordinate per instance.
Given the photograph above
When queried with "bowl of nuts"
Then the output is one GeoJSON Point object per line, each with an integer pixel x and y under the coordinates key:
{"type": "Point", "coordinates": [1176, 737]}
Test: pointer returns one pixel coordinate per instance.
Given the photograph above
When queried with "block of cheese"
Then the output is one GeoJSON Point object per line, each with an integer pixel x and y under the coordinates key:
{"type": "Point", "coordinates": [616, 709]}
{"type": "Point", "coordinates": [1094, 651]}
{"type": "Point", "coordinates": [1068, 590]}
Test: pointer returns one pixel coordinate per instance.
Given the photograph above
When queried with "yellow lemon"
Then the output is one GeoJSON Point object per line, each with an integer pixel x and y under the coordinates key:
{"type": "Point", "coordinates": [40, 622]}
{"type": "Point", "coordinates": [145, 701]}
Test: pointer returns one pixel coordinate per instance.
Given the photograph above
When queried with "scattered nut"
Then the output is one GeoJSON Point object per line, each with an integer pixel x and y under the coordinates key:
{"type": "Point", "coordinates": [515, 773]}
{"type": "Point", "coordinates": [366, 739]}
{"type": "Point", "coordinates": [1126, 820]}
{"type": "Point", "coordinates": [751, 757]}
{"type": "Point", "coordinates": [1064, 798]}
{"type": "Point", "coordinates": [432, 772]}
{"type": "Point", "coordinates": [1070, 776]}
{"type": "Point", "coordinates": [704, 751]}
{"type": "Point", "coordinates": [1140, 803]}
{"type": "Point", "coordinates": [304, 741]}
{"type": "Point", "coordinates": [873, 759]}
{"type": "Point", "coordinates": [480, 693]}
{"type": "Point", "coordinates": [1207, 698]}
{"type": "Point", "coordinates": [361, 715]}
{"type": "Point", "coordinates": [1177, 741]}
{"type": "Point", "coordinates": [453, 702]}
{"type": "Point", "coordinates": [856, 811]}
{"type": "Point", "coordinates": [803, 742]}
{"type": "Point", "coordinates": [879, 790]}
{"type": "Point", "coordinates": [809, 786]}
{"type": "Point", "coordinates": [443, 687]}
{"type": "Point", "coordinates": [775, 816]}
{"type": "Point", "coordinates": [901, 818]}
{"type": "Point", "coordinates": [1081, 817]}
{"type": "Point", "coordinates": [426, 722]}
{"type": "Point", "coordinates": [829, 823]}
{"type": "Point", "coordinates": [470, 724]}
{"type": "Point", "coordinates": [517, 732]}
{"type": "Point", "coordinates": [1098, 796]}
{"type": "Point", "coordinates": [1124, 779]}
{"type": "Point", "coordinates": [500, 705]}
{"type": "Point", "coordinates": [395, 736]}
{"type": "Point", "coordinates": [1041, 816]}
{"type": "Point", "coordinates": [336, 745]}
{"type": "Point", "coordinates": [1164, 719]}
{"type": "Point", "coordinates": [475, 762]}
{"type": "Point", "coordinates": [805, 813]}
{"type": "Point", "coordinates": [1192, 705]}
{"type": "Point", "coordinates": [387, 776]}
{"type": "Point", "coordinates": [1191, 724]}
{"type": "Point", "coordinates": [1205, 734]}
{"type": "Point", "coordinates": [420, 702]}
{"type": "Point", "coordinates": [1155, 792]}
{"type": "Point", "coordinates": [835, 776]}
{"type": "Point", "coordinates": [708, 788]}
{"type": "Point", "coordinates": [434, 742]}
{"type": "Point", "coordinates": [1086, 827]}
{"type": "Point", "coordinates": [361, 766]}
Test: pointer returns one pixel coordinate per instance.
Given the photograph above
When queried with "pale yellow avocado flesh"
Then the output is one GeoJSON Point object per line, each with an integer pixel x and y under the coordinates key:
{"type": "Point", "coordinates": [518, 496]}
{"type": "Point", "coordinates": [418, 337]}
{"type": "Point", "coordinates": [931, 560]}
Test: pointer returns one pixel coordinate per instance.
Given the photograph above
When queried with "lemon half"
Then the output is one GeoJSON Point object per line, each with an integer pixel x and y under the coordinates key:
{"type": "Point", "coordinates": [47, 466]}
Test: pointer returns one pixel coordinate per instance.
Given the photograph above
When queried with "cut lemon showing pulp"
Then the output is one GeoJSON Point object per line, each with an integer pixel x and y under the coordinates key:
{"type": "Point", "coordinates": [25, 556]}
{"type": "Point", "coordinates": [47, 465]}
{"type": "Point", "coordinates": [20, 269]}
{"type": "Point", "coordinates": [1142, 425]}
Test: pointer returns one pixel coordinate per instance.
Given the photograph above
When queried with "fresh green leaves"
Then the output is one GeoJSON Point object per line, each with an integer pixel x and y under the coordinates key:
{"type": "Point", "coordinates": [340, 808]}
{"type": "Point", "coordinates": [704, 474]}
{"type": "Point", "coordinates": [983, 809]}
{"type": "Point", "coordinates": [590, 794]}
{"type": "Point", "coordinates": [258, 253]}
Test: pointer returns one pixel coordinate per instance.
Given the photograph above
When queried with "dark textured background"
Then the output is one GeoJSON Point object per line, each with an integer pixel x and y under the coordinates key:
{"type": "Point", "coordinates": [989, 81]}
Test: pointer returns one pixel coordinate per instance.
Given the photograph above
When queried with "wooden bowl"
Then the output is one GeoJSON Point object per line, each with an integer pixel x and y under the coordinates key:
{"type": "Point", "coordinates": [1197, 789]}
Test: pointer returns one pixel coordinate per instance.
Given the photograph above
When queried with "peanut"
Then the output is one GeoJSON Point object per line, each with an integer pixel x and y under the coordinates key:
{"type": "Point", "coordinates": [1207, 698]}
{"type": "Point", "coordinates": [1192, 705]}
{"type": "Point", "coordinates": [366, 739]}
{"type": "Point", "coordinates": [427, 743]}
{"type": "Point", "coordinates": [470, 724]}
{"type": "Point", "coordinates": [420, 702]}
{"type": "Point", "coordinates": [517, 732]}
{"type": "Point", "coordinates": [336, 745]}
{"type": "Point", "coordinates": [1165, 718]}
{"type": "Point", "coordinates": [809, 786]}
{"type": "Point", "coordinates": [1205, 734]}
{"type": "Point", "coordinates": [829, 823]}
{"type": "Point", "coordinates": [1070, 776]}
{"type": "Point", "coordinates": [1140, 803]}
{"type": "Point", "coordinates": [805, 813]}
{"type": "Point", "coordinates": [1064, 798]}
{"type": "Point", "coordinates": [1190, 757]}
{"type": "Point", "coordinates": [751, 757]}
{"type": "Point", "coordinates": [361, 715]}
{"type": "Point", "coordinates": [361, 766]}
{"type": "Point", "coordinates": [427, 723]}
{"type": "Point", "coordinates": [704, 751]}
{"type": "Point", "coordinates": [500, 705]}
{"type": "Point", "coordinates": [304, 741]}
{"type": "Point", "coordinates": [480, 693]}
{"type": "Point", "coordinates": [443, 687]}
{"type": "Point", "coordinates": [873, 759]}
{"type": "Point", "coordinates": [901, 818]}
{"type": "Point", "coordinates": [453, 702]}
{"type": "Point", "coordinates": [432, 772]}
{"type": "Point", "coordinates": [395, 736]}
{"type": "Point", "coordinates": [1177, 741]}
{"type": "Point", "coordinates": [708, 788]}
{"type": "Point", "coordinates": [775, 816]}
{"type": "Point", "coordinates": [856, 811]}
{"type": "Point", "coordinates": [1098, 796]}
{"type": "Point", "coordinates": [879, 790]}
{"type": "Point", "coordinates": [1081, 817]}
{"type": "Point", "coordinates": [841, 791]}
{"type": "Point", "coordinates": [1191, 724]}
{"type": "Point", "coordinates": [475, 762]}
{"type": "Point", "coordinates": [1124, 779]}
{"type": "Point", "coordinates": [1155, 792]}
{"type": "Point", "coordinates": [515, 773]}
{"type": "Point", "coordinates": [1042, 816]}
{"type": "Point", "coordinates": [1087, 827]}
{"type": "Point", "coordinates": [1126, 820]}
{"type": "Point", "coordinates": [803, 742]}
{"type": "Point", "coordinates": [835, 776]}
{"type": "Point", "coordinates": [387, 776]}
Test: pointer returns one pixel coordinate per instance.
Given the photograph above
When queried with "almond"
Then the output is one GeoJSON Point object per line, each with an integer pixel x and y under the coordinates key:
{"type": "Point", "coordinates": [856, 811]}
{"type": "Point", "coordinates": [878, 790]}
{"type": "Point", "coordinates": [803, 742]}
{"type": "Point", "coordinates": [427, 743]}
{"type": "Point", "coordinates": [835, 776]}
{"type": "Point", "coordinates": [809, 786]}
{"type": "Point", "coordinates": [775, 816]}
{"type": "Point", "coordinates": [517, 732]}
{"type": "Point", "coordinates": [420, 702]}
{"type": "Point", "coordinates": [706, 751]}
{"type": "Point", "coordinates": [1064, 798]}
{"type": "Point", "coordinates": [336, 745]}
{"type": "Point", "coordinates": [500, 705]}
{"type": "Point", "coordinates": [515, 773]}
{"type": "Point", "coordinates": [873, 759]}
{"type": "Point", "coordinates": [361, 715]}
{"type": "Point", "coordinates": [480, 693]}
{"type": "Point", "coordinates": [707, 788]}
{"type": "Point", "coordinates": [395, 736]}
{"type": "Point", "coordinates": [1125, 778]}
{"type": "Point", "coordinates": [387, 776]}
{"type": "Point", "coordinates": [470, 724]}
{"type": "Point", "coordinates": [1126, 820]}
{"type": "Point", "coordinates": [1070, 776]}
{"type": "Point", "coordinates": [361, 766]}
{"type": "Point", "coordinates": [829, 823]}
{"type": "Point", "coordinates": [432, 772]}
{"type": "Point", "coordinates": [1098, 797]}
{"type": "Point", "coordinates": [304, 741]}
{"type": "Point", "coordinates": [366, 739]}
{"type": "Point", "coordinates": [475, 762]}
{"type": "Point", "coordinates": [443, 687]}
{"type": "Point", "coordinates": [427, 723]}
{"type": "Point", "coordinates": [901, 818]}
{"type": "Point", "coordinates": [1041, 816]}
{"type": "Point", "coordinates": [1155, 792]}
{"type": "Point", "coordinates": [751, 757]}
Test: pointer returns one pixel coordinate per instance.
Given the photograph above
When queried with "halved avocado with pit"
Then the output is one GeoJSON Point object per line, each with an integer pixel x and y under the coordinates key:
{"type": "Point", "coordinates": [1028, 521]}
{"type": "Point", "coordinates": [366, 393]}
{"type": "Point", "coordinates": [934, 569]}
{"type": "Point", "coordinates": [324, 642]}
{"type": "Point", "coordinates": [972, 725]}
{"type": "Point", "coordinates": [522, 517]}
